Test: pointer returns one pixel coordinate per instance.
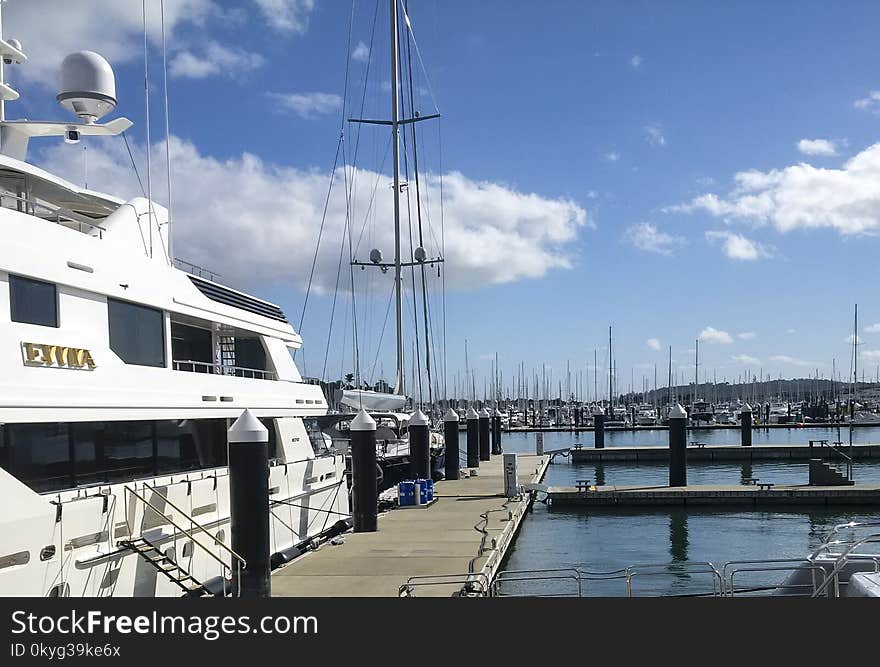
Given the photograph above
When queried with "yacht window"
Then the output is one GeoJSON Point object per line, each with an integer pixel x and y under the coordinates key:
{"type": "Point", "coordinates": [33, 301]}
{"type": "Point", "coordinates": [137, 333]}
{"type": "Point", "coordinates": [38, 454]}
{"type": "Point", "coordinates": [55, 456]}
{"type": "Point", "coordinates": [192, 348]}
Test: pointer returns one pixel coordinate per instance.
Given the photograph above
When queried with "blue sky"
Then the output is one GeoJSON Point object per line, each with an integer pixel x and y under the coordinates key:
{"type": "Point", "coordinates": [619, 127]}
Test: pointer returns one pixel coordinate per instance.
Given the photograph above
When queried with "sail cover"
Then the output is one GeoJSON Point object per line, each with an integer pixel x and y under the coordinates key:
{"type": "Point", "coordinates": [373, 400]}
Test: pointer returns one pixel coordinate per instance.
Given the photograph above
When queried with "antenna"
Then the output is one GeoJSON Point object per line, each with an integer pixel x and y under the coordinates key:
{"type": "Point", "coordinates": [167, 132]}
{"type": "Point", "coordinates": [147, 123]}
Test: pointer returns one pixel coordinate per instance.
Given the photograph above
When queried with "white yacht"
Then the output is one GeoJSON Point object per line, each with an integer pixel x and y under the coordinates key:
{"type": "Point", "coordinates": [119, 376]}
{"type": "Point", "coordinates": [646, 415]}
{"type": "Point", "coordinates": [701, 412]}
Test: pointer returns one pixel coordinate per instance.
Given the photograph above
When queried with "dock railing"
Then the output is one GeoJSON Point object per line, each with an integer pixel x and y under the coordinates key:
{"type": "Point", "coordinates": [833, 455]}
{"type": "Point", "coordinates": [470, 584]}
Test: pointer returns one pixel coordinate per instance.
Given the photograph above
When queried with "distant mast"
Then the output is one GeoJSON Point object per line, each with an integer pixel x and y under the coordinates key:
{"type": "Point", "coordinates": [395, 141]}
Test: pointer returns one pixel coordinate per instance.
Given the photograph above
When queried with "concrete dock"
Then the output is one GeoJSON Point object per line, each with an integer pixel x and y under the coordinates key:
{"type": "Point", "coordinates": [588, 454]}
{"type": "Point", "coordinates": [465, 533]}
{"type": "Point", "coordinates": [716, 496]}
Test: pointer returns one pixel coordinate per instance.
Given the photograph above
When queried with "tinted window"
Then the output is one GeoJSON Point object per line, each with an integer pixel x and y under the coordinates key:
{"type": "Point", "coordinates": [249, 353]}
{"type": "Point", "coordinates": [37, 454]}
{"type": "Point", "coordinates": [191, 344]}
{"type": "Point", "coordinates": [176, 446]}
{"type": "Point", "coordinates": [137, 333]}
{"type": "Point", "coordinates": [33, 301]}
{"type": "Point", "coordinates": [127, 450]}
{"type": "Point", "coordinates": [54, 456]}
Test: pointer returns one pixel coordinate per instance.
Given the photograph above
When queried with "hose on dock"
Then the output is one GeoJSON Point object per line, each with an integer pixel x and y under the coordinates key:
{"type": "Point", "coordinates": [484, 519]}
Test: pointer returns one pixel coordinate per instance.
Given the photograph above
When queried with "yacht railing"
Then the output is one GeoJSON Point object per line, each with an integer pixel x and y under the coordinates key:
{"type": "Point", "coordinates": [191, 366]}
{"type": "Point", "coordinates": [196, 270]}
{"type": "Point", "coordinates": [237, 562]}
{"type": "Point", "coordinates": [60, 216]}
{"type": "Point", "coordinates": [843, 560]}
{"type": "Point", "coordinates": [752, 567]}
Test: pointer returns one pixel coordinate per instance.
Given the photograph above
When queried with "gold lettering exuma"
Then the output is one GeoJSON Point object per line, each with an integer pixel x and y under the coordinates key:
{"type": "Point", "coordinates": [60, 356]}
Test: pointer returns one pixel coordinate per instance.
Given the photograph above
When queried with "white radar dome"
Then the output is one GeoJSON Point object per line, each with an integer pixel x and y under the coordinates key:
{"type": "Point", "coordinates": [87, 86]}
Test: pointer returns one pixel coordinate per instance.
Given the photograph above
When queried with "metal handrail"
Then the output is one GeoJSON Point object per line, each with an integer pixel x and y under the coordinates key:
{"type": "Point", "coordinates": [683, 568]}
{"type": "Point", "coordinates": [769, 565]}
{"type": "Point", "coordinates": [567, 574]}
{"type": "Point", "coordinates": [31, 206]}
{"type": "Point", "coordinates": [465, 579]}
{"type": "Point", "coordinates": [196, 270]}
{"type": "Point", "coordinates": [847, 460]}
{"type": "Point", "coordinates": [839, 527]}
{"type": "Point", "coordinates": [239, 559]}
{"type": "Point", "coordinates": [223, 369]}
{"type": "Point", "coordinates": [843, 560]}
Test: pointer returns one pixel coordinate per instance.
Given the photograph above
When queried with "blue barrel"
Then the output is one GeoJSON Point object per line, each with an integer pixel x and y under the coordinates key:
{"type": "Point", "coordinates": [406, 493]}
{"type": "Point", "coordinates": [425, 490]}
{"type": "Point", "coordinates": [430, 483]}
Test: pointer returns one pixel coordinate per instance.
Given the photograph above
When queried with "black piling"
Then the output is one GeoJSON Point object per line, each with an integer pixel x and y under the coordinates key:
{"type": "Point", "coordinates": [473, 438]}
{"type": "Point", "coordinates": [491, 431]}
{"type": "Point", "coordinates": [364, 484]}
{"type": "Point", "coordinates": [599, 430]}
{"type": "Point", "coordinates": [249, 505]}
{"type": "Point", "coordinates": [496, 433]}
{"type": "Point", "coordinates": [419, 446]}
{"type": "Point", "coordinates": [677, 446]}
{"type": "Point", "coordinates": [745, 427]}
{"type": "Point", "coordinates": [450, 439]}
{"type": "Point", "coordinates": [485, 451]}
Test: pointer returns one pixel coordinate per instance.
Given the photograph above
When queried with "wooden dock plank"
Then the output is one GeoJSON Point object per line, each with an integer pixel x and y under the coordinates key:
{"type": "Point", "coordinates": [437, 540]}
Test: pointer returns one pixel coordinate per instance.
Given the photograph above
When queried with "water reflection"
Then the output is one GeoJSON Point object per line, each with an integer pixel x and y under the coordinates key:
{"type": "Point", "coordinates": [600, 474]}
{"type": "Point", "coordinates": [746, 472]}
{"type": "Point", "coordinates": [678, 535]}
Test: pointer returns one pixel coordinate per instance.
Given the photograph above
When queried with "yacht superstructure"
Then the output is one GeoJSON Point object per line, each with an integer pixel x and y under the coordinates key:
{"type": "Point", "coordinates": [119, 375]}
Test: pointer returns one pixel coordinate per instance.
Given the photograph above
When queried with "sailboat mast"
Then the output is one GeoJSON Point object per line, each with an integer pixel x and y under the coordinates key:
{"type": "Point", "coordinates": [395, 143]}
{"type": "Point", "coordinates": [610, 372]}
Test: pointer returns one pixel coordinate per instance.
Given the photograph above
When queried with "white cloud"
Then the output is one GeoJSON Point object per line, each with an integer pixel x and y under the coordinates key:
{"type": "Point", "coordinates": [869, 103]}
{"type": "Point", "coordinates": [804, 197]}
{"type": "Point", "coordinates": [646, 236]}
{"type": "Point", "coordinates": [653, 344]}
{"type": "Point", "coordinates": [873, 328]}
{"type": "Point", "coordinates": [361, 52]}
{"type": "Point", "coordinates": [49, 30]}
{"type": "Point", "coordinates": [852, 338]}
{"type": "Point", "coordinates": [636, 61]}
{"type": "Point", "coordinates": [713, 335]}
{"type": "Point", "coordinates": [612, 156]}
{"type": "Point", "coordinates": [817, 147]}
{"type": "Point", "coordinates": [745, 360]}
{"type": "Point", "coordinates": [262, 219]}
{"type": "Point", "coordinates": [287, 15]}
{"type": "Point", "coordinates": [308, 105]}
{"type": "Point", "coordinates": [214, 59]}
{"type": "Point", "coordinates": [871, 355]}
{"type": "Point", "coordinates": [746, 335]}
{"type": "Point", "coordinates": [737, 246]}
{"type": "Point", "coordinates": [654, 135]}
{"type": "Point", "coordinates": [794, 361]}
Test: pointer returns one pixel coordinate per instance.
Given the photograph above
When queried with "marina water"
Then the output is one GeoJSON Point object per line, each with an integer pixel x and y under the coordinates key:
{"type": "Point", "coordinates": [607, 539]}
